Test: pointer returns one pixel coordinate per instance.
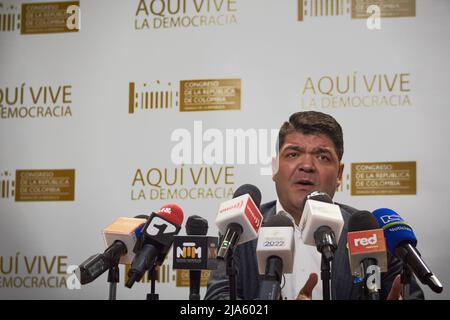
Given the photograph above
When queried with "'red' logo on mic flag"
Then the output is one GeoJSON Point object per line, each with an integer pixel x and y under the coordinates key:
{"type": "Point", "coordinates": [366, 241]}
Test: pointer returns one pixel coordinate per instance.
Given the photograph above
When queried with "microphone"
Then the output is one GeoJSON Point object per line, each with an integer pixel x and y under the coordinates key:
{"type": "Point", "coordinates": [120, 238]}
{"type": "Point", "coordinates": [155, 241]}
{"type": "Point", "coordinates": [401, 242]}
{"type": "Point", "coordinates": [275, 253]}
{"type": "Point", "coordinates": [321, 224]}
{"type": "Point", "coordinates": [239, 219]}
{"type": "Point", "coordinates": [195, 252]}
{"type": "Point", "coordinates": [367, 252]}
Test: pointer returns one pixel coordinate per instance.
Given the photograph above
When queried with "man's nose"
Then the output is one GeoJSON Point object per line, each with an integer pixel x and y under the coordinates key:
{"type": "Point", "coordinates": [306, 163]}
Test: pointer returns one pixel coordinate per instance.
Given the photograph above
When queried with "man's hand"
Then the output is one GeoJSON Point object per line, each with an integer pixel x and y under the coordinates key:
{"type": "Point", "coordinates": [306, 292]}
{"type": "Point", "coordinates": [396, 289]}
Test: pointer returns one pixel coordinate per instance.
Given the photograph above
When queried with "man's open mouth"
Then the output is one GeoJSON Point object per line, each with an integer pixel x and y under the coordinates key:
{"type": "Point", "coordinates": [305, 182]}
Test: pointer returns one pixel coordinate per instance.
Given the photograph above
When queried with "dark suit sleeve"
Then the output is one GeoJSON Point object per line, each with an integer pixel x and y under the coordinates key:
{"type": "Point", "coordinates": [246, 274]}
{"type": "Point", "coordinates": [218, 285]}
{"type": "Point", "coordinates": [395, 266]}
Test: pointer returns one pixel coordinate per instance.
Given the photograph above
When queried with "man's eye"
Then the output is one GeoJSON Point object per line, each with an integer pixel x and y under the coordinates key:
{"type": "Point", "coordinates": [292, 155]}
{"type": "Point", "coordinates": [323, 157]}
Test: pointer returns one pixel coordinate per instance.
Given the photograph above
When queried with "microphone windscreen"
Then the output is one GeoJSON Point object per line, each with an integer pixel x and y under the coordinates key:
{"type": "Point", "coordinates": [172, 212]}
{"type": "Point", "coordinates": [276, 238]}
{"type": "Point", "coordinates": [252, 190]}
{"type": "Point", "coordinates": [319, 196]}
{"type": "Point", "coordinates": [396, 230]}
{"type": "Point", "coordinates": [196, 225]}
{"type": "Point", "coordinates": [362, 220]}
{"type": "Point", "coordinates": [279, 221]}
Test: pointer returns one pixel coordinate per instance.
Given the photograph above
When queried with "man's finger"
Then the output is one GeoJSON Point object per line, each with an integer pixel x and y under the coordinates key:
{"type": "Point", "coordinates": [396, 289]}
{"type": "Point", "coordinates": [306, 292]}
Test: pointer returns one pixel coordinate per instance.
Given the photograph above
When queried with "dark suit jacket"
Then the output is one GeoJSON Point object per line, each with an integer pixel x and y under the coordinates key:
{"type": "Point", "coordinates": [342, 281]}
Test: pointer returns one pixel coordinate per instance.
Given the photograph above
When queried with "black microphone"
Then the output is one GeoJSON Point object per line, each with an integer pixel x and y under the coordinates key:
{"type": "Point", "coordinates": [401, 242]}
{"type": "Point", "coordinates": [324, 236]}
{"type": "Point", "coordinates": [321, 224]}
{"type": "Point", "coordinates": [275, 253]}
{"type": "Point", "coordinates": [198, 226]}
{"type": "Point", "coordinates": [195, 252]}
{"type": "Point", "coordinates": [120, 238]}
{"type": "Point", "coordinates": [239, 219]}
{"type": "Point", "coordinates": [155, 241]}
{"type": "Point", "coordinates": [367, 252]}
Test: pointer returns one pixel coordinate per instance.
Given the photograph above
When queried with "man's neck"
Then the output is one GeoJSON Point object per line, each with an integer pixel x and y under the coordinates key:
{"type": "Point", "coordinates": [295, 213]}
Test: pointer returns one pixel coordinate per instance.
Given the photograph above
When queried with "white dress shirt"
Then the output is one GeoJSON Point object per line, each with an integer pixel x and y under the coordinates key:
{"type": "Point", "coordinates": [306, 260]}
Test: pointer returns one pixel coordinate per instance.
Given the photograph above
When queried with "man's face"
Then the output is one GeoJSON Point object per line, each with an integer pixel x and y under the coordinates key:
{"type": "Point", "coordinates": [306, 163]}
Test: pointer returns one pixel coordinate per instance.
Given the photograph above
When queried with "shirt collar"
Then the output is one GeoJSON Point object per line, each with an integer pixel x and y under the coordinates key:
{"type": "Point", "coordinates": [280, 210]}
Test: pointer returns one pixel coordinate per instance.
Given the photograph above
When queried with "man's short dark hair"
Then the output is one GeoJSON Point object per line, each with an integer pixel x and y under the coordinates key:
{"type": "Point", "coordinates": [314, 123]}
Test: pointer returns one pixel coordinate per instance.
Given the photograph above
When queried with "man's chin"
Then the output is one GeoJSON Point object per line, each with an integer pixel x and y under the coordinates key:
{"type": "Point", "coordinates": [300, 194]}
{"type": "Point", "coordinates": [298, 198]}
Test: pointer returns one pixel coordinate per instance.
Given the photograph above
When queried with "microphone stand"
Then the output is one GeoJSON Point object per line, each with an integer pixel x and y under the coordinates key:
{"type": "Point", "coordinates": [194, 291]}
{"type": "Point", "coordinates": [369, 292]}
{"type": "Point", "coordinates": [152, 276]}
{"type": "Point", "coordinates": [325, 275]}
{"type": "Point", "coordinates": [405, 279]}
{"type": "Point", "coordinates": [326, 245]}
{"type": "Point", "coordinates": [231, 273]}
{"type": "Point", "coordinates": [113, 279]}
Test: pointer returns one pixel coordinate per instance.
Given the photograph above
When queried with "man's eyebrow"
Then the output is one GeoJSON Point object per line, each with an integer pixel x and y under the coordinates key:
{"type": "Point", "coordinates": [292, 147]}
{"type": "Point", "coordinates": [323, 149]}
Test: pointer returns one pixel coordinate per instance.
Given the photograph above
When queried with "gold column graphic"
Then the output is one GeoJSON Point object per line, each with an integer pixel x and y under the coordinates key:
{"type": "Point", "coordinates": [320, 8]}
{"type": "Point", "coordinates": [149, 99]}
{"type": "Point", "coordinates": [131, 98]}
{"type": "Point", "coordinates": [167, 99]}
{"type": "Point", "coordinates": [163, 274]}
{"type": "Point", "coordinates": [152, 100]}
{"type": "Point", "coordinates": [300, 10]}
{"type": "Point", "coordinates": [7, 188]}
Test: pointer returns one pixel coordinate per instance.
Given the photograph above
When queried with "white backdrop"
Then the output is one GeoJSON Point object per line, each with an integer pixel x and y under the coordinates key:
{"type": "Point", "coordinates": [273, 54]}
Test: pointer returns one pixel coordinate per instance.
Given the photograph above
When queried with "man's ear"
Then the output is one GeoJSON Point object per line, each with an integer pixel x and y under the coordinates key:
{"type": "Point", "coordinates": [275, 166]}
{"type": "Point", "coordinates": [340, 172]}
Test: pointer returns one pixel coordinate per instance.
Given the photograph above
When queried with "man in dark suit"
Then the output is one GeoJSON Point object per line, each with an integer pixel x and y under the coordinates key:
{"type": "Point", "coordinates": [309, 154]}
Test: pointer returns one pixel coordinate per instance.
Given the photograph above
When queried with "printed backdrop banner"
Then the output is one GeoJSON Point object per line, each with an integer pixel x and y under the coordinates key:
{"type": "Point", "coordinates": [114, 108]}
